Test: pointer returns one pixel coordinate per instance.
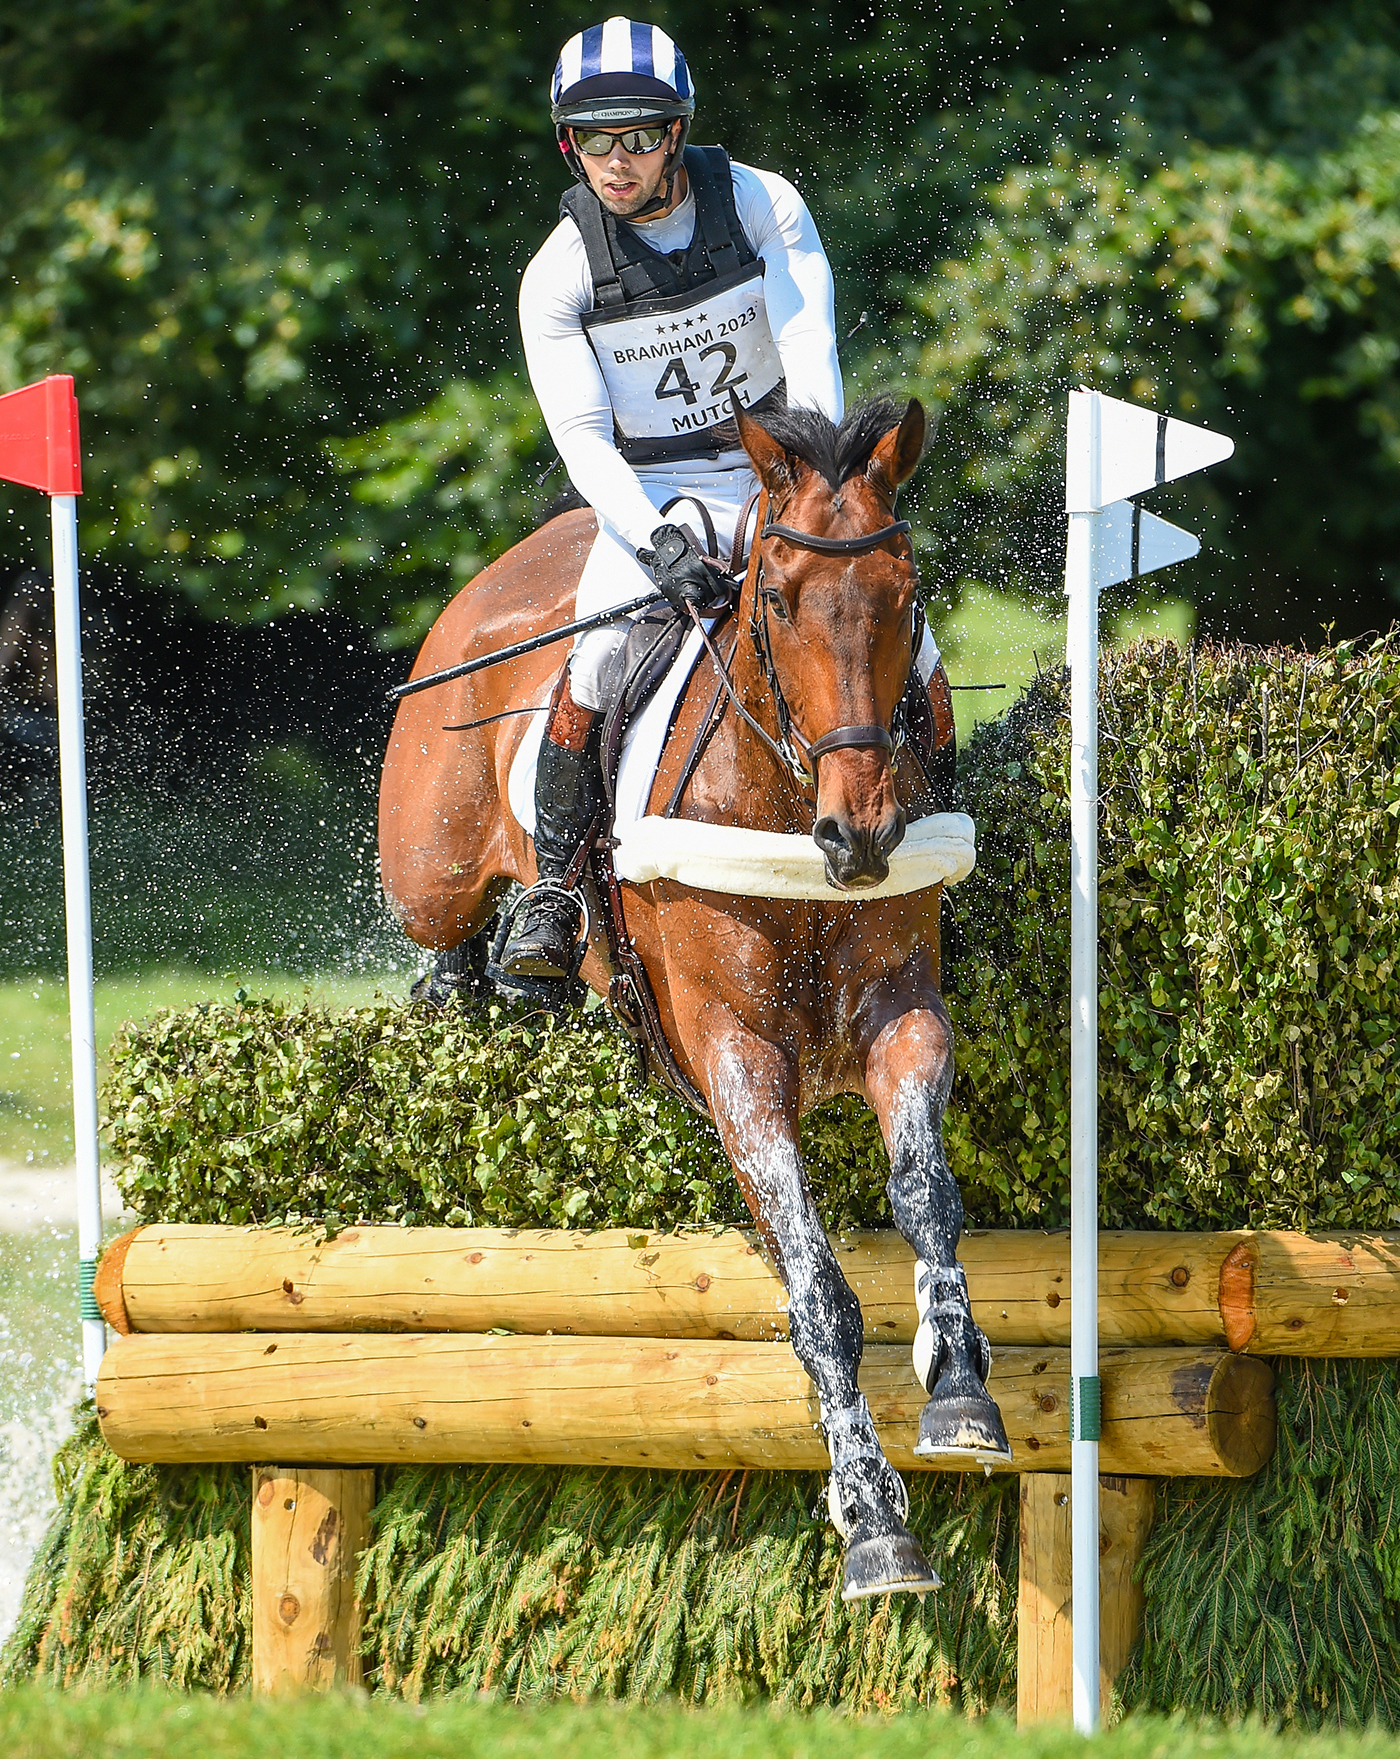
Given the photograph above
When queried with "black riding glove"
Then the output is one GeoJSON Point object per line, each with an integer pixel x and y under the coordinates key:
{"type": "Point", "coordinates": [682, 573]}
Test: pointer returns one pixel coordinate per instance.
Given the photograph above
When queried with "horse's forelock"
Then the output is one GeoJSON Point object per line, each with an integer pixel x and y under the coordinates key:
{"type": "Point", "coordinates": [835, 451]}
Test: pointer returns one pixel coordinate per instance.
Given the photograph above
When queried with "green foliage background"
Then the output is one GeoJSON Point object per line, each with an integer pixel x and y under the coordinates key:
{"type": "Point", "coordinates": [1250, 911]}
{"type": "Point", "coordinates": [278, 244]}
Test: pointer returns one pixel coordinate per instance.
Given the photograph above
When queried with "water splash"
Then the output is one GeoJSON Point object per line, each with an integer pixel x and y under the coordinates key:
{"type": "Point", "coordinates": [40, 1380]}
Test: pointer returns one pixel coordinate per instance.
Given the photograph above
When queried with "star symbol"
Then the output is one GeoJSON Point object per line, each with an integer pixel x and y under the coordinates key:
{"type": "Point", "coordinates": [688, 323]}
{"type": "Point", "coordinates": [661, 329]}
{"type": "Point", "coordinates": [675, 326]}
{"type": "Point", "coordinates": [700, 318]}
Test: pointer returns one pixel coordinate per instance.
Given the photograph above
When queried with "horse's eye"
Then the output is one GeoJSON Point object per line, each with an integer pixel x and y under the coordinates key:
{"type": "Point", "coordinates": [776, 603]}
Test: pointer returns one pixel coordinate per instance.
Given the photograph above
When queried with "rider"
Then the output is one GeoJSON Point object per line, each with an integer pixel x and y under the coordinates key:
{"type": "Point", "coordinates": [673, 277]}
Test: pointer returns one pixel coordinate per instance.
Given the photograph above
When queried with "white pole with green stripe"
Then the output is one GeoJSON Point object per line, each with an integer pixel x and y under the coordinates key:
{"type": "Point", "coordinates": [77, 900]}
{"type": "Point", "coordinates": [39, 449]}
{"type": "Point", "coordinates": [1113, 450]}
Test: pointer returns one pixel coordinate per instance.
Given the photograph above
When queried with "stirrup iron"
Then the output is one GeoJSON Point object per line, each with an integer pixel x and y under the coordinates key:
{"type": "Point", "coordinates": [564, 991]}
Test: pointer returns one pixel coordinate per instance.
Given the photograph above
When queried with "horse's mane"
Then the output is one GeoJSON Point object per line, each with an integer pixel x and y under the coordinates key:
{"type": "Point", "coordinates": [837, 451]}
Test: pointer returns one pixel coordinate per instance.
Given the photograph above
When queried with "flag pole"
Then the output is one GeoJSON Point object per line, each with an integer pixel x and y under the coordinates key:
{"type": "Point", "coordinates": [1082, 652]}
{"type": "Point", "coordinates": [1113, 451]}
{"type": "Point", "coordinates": [77, 899]}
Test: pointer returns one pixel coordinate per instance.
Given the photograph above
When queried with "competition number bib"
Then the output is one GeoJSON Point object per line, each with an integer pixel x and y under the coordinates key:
{"type": "Point", "coordinates": [669, 372]}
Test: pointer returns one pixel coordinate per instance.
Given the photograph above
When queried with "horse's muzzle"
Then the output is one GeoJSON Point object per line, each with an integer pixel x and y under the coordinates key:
{"type": "Point", "coordinates": [857, 859]}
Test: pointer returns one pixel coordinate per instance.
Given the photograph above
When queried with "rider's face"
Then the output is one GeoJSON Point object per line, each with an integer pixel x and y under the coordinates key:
{"type": "Point", "coordinates": [625, 182]}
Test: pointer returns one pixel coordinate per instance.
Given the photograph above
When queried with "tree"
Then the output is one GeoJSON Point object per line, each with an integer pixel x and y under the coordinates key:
{"type": "Point", "coordinates": [279, 244]}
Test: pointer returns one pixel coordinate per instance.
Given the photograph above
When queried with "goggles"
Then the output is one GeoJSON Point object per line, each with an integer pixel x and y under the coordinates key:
{"type": "Point", "coordinates": [597, 142]}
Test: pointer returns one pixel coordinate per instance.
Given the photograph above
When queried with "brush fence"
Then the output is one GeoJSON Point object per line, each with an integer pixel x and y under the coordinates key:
{"type": "Point", "coordinates": [669, 1351]}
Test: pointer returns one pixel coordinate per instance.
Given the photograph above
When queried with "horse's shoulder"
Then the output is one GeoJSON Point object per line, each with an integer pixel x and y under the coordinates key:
{"type": "Point", "coordinates": [573, 526]}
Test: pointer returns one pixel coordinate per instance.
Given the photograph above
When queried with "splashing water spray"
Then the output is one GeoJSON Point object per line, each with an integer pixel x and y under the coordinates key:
{"type": "Point", "coordinates": [39, 450]}
{"type": "Point", "coordinates": [1113, 450]}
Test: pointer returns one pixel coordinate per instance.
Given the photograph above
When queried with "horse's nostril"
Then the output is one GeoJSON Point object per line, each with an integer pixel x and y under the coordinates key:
{"type": "Point", "coordinates": [854, 858]}
{"type": "Point", "coordinates": [829, 836]}
{"type": "Point", "coordinates": [889, 839]}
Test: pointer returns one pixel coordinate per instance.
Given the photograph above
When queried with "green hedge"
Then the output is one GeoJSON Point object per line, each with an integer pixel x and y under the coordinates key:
{"type": "Point", "coordinates": [262, 1111]}
{"type": "Point", "coordinates": [532, 1583]}
{"type": "Point", "coordinates": [1250, 911]}
{"type": "Point", "coordinates": [1279, 1596]}
{"type": "Point", "coordinates": [1250, 933]}
{"type": "Point", "coordinates": [1250, 907]}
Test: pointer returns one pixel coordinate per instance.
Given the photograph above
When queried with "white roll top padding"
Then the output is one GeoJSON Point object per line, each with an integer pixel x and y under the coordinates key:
{"type": "Point", "coordinates": [938, 850]}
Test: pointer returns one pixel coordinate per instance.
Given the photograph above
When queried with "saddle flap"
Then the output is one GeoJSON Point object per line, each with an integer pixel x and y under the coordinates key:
{"type": "Point", "coordinates": [633, 678]}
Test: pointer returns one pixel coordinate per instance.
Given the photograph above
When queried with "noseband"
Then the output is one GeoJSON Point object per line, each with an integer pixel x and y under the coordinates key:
{"type": "Point", "coordinates": [837, 546]}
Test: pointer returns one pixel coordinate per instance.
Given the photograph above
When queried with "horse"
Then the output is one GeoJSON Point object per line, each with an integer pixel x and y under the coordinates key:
{"type": "Point", "coordinates": [769, 1006]}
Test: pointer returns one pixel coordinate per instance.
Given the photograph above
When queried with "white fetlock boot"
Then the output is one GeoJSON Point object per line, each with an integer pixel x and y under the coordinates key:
{"type": "Point", "coordinates": [952, 1359]}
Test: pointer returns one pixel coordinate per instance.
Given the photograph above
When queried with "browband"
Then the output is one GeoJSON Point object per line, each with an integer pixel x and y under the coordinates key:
{"type": "Point", "coordinates": [837, 546]}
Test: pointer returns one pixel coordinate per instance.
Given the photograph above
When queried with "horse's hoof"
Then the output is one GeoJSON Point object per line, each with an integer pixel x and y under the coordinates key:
{"type": "Point", "coordinates": [438, 990]}
{"type": "Point", "coordinates": [458, 974]}
{"type": "Point", "coordinates": [888, 1563]}
{"type": "Point", "coordinates": [963, 1428]}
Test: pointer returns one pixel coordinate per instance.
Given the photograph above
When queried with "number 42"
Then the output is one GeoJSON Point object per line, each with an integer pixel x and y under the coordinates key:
{"type": "Point", "coordinates": [677, 382]}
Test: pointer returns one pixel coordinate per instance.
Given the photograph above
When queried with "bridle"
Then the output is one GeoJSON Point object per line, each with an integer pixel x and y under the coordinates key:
{"type": "Point", "coordinates": [795, 753]}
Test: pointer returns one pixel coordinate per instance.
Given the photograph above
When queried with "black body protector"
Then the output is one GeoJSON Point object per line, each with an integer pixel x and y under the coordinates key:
{"type": "Point", "coordinates": [675, 334]}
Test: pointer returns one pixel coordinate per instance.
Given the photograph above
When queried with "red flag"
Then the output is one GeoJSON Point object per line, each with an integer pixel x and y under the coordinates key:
{"type": "Point", "coordinates": [39, 437]}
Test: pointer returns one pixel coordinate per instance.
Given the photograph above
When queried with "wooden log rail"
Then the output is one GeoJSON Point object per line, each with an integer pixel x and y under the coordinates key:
{"type": "Point", "coordinates": [684, 1404]}
{"type": "Point", "coordinates": [667, 1350]}
{"type": "Point", "coordinates": [1266, 1294]}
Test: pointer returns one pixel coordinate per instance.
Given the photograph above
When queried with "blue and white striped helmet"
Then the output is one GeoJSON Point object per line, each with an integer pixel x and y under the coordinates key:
{"type": "Point", "coordinates": [618, 74]}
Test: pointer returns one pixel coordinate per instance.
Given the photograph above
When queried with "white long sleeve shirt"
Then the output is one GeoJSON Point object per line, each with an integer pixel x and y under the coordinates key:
{"type": "Point", "coordinates": [557, 289]}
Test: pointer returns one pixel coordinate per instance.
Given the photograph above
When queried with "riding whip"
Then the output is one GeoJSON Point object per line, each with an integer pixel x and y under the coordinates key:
{"type": "Point", "coordinates": [514, 652]}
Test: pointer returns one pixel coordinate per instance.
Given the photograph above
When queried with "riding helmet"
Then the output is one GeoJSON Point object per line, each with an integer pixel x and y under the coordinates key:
{"type": "Point", "coordinates": [617, 75]}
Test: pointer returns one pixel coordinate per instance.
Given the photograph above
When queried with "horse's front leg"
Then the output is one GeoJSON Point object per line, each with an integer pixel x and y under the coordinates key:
{"type": "Point", "coordinates": [754, 1096]}
{"type": "Point", "coordinates": [908, 1076]}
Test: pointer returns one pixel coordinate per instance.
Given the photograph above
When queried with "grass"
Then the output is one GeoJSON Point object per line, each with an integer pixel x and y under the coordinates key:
{"type": "Point", "coordinates": [993, 638]}
{"type": "Point", "coordinates": [36, 1122]}
{"type": "Point", "coordinates": [36, 1724]}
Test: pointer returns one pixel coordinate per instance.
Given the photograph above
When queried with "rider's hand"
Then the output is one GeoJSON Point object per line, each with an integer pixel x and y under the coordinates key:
{"type": "Point", "coordinates": [681, 572]}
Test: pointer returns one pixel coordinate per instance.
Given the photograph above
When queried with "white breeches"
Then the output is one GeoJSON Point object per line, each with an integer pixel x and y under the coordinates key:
{"type": "Point", "coordinates": [612, 574]}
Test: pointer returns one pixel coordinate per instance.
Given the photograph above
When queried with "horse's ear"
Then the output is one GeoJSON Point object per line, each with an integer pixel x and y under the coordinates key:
{"type": "Point", "coordinates": [772, 465]}
{"type": "Point", "coordinates": [896, 457]}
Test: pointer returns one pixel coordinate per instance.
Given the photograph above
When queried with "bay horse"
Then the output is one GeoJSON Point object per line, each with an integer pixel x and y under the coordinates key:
{"type": "Point", "coordinates": [769, 1007]}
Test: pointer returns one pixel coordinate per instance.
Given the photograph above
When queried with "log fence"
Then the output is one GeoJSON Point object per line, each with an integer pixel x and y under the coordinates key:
{"type": "Point", "coordinates": [315, 1360]}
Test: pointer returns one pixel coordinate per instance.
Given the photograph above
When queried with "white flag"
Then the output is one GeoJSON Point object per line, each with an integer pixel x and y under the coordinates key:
{"type": "Point", "coordinates": [1129, 542]}
{"type": "Point", "coordinates": [1137, 449]}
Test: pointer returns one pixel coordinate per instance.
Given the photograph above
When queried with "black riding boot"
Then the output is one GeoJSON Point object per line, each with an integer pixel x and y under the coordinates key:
{"type": "Point", "coordinates": [568, 793]}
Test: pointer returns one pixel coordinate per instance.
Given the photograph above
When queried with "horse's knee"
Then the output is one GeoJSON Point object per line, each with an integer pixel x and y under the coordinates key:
{"type": "Point", "coordinates": [910, 1060]}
